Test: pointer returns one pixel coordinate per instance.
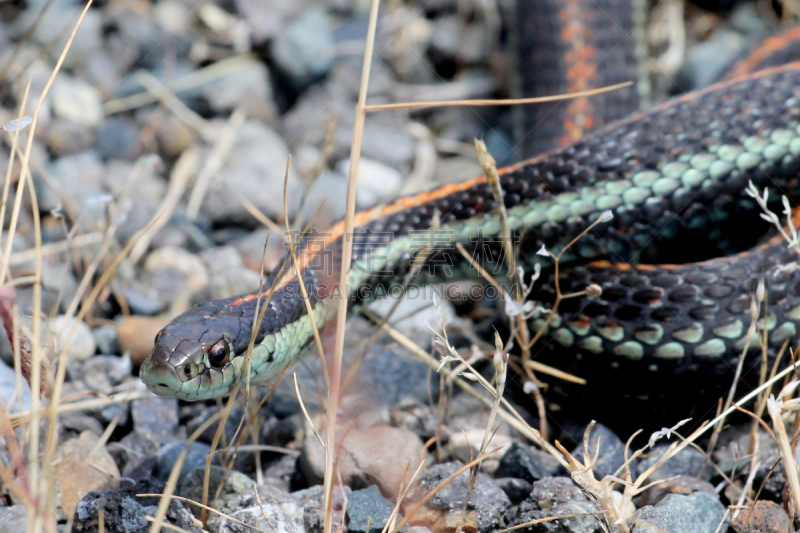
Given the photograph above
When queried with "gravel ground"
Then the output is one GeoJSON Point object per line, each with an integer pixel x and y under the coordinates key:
{"type": "Point", "coordinates": [190, 110]}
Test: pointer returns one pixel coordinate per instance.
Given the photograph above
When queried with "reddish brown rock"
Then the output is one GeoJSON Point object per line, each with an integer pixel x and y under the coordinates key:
{"type": "Point", "coordinates": [82, 467]}
{"type": "Point", "coordinates": [763, 517]}
{"type": "Point", "coordinates": [380, 455]}
{"type": "Point", "coordinates": [136, 334]}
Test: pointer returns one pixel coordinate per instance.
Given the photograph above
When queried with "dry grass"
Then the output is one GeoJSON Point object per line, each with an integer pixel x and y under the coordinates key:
{"type": "Point", "coordinates": [39, 494]}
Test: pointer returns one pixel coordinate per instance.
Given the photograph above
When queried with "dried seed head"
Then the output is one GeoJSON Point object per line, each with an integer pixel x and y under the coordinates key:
{"type": "Point", "coordinates": [593, 290]}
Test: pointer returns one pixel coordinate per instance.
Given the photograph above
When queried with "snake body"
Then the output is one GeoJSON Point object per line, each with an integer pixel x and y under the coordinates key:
{"type": "Point", "coordinates": [674, 177]}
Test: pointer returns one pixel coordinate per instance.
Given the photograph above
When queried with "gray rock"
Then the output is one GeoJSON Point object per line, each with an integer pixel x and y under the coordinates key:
{"type": "Point", "coordinates": [515, 488]}
{"type": "Point", "coordinates": [488, 501]}
{"type": "Point", "coordinates": [13, 518]}
{"type": "Point", "coordinates": [255, 170]}
{"type": "Point", "coordinates": [386, 137]}
{"type": "Point", "coordinates": [107, 413]}
{"type": "Point", "coordinates": [142, 199]}
{"type": "Point", "coordinates": [303, 49]}
{"type": "Point", "coordinates": [76, 423]}
{"type": "Point", "coordinates": [688, 461]}
{"type": "Point", "coordinates": [246, 86]}
{"type": "Point", "coordinates": [281, 472]}
{"type": "Point", "coordinates": [53, 30]}
{"type": "Point", "coordinates": [74, 99]}
{"type": "Point", "coordinates": [75, 335]}
{"type": "Point", "coordinates": [118, 138]}
{"type": "Point", "coordinates": [141, 300]}
{"type": "Point", "coordinates": [227, 275]}
{"type": "Point", "coordinates": [445, 40]}
{"type": "Point", "coordinates": [610, 452]}
{"type": "Point", "coordinates": [195, 457]}
{"type": "Point", "coordinates": [731, 457]}
{"type": "Point", "coordinates": [155, 417]}
{"type": "Point", "coordinates": [696, 513]}
{"type": "Point", "coordinates": [415, 415]}
{"type": "Point", "coordinates": [377, 182]}
{"type": "Point", "coordinates": [266, 18]}
{"type": "Point", "coordinates": [75, 181]}
{"type": "Point", "coordinates": [312, 501]}
{"type": "Point", "coordinates": [395, 376]}
{"type": "Point", "coordinates": [173, 276]}
{"type": "Point", "coordinates": [325, 200]}
{"type": "Point", "coordinates": [679, 485]}
{"type": "Point", "coordinates": [526, 462]}
{"type": "Point", "coordinates": [555, 496]}
{"type": "Point", "coordinates": [124, 512]}
{"type": "Point", "coordinates": [233, 483]}
{"type": "Point", "coordinates": [102, 373]}
{"type": "Point", "coordinates": [65, 136]}
{"type": "Point", "coordinates": [105, 337]}
{"type": "Point", "coordinates": [273, 510]}
{"type": "Point", "coordinates": [8, 386]}
{"type": "Point", "coordinates": [368, 511]}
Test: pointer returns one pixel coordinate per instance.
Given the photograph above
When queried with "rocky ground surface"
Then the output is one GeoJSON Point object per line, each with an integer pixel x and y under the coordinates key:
{"type": "Point", "coordinates": [190, 110]}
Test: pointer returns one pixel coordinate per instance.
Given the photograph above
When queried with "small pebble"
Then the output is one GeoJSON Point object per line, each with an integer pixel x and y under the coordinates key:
{"type": "Point", "coordinates": [368, 511]}
{"type": "Point", "coordinates": [125, 512]}
{"type": "Point", "coordinates": [155, 417]}
{"type": "Point", "coordinates": [303, 49]}
{"type": "Point", "coordinates": [763, 517]}
{"type": "Point", "coordinates": [136, 335]}
{"type": "Point", "coordinates": [696, 513]}
{"type": "Point", "coordinates": [379, 454]}
{"type": "Point", "coordinates": [75, 335]}
{"type": "Point", "coordinates": [195, 457]}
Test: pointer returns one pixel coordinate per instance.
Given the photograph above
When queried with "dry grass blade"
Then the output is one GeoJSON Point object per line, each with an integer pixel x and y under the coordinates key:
{"type": "Point", "coordinates": [506, 102]}
{"type": "Point", "coordinates": [45, 492]}
{"type": "Point", "coordinates": [14, 152]}
{"type": "Point", "coordinates": [775, 408]}
{"type": "Point", "coordinates": [344, 274]}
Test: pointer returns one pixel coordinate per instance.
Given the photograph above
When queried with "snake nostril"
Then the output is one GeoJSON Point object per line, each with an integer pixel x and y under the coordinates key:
{"type": "Point", "coordinates": [187, 371]}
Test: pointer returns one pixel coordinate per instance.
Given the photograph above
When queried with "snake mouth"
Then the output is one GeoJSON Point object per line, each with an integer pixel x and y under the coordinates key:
{"type": "Point", "coordinates": [162, 379]}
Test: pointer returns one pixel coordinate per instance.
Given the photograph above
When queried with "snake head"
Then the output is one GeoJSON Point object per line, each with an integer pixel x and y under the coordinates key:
{"type": "Point", "coordinates": [200, 353]}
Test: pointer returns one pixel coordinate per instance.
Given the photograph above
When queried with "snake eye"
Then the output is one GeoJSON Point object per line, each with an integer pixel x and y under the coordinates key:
{"type": "Point", "coordinates": [218, 355]}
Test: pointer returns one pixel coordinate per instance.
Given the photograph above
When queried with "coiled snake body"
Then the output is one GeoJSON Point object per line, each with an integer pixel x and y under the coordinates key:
{"type": "Point", "coordinates": [674, 177]}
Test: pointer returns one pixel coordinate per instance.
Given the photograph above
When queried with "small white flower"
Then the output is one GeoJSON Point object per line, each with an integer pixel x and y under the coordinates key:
{"type": "Point", "coordinates": [606, 216]}
{"type": "Point", "coordinates": [537, 271]}
{"type": "Point", "coordinates": [514, 308]}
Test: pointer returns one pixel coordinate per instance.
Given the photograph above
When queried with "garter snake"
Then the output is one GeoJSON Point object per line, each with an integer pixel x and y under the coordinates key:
{"type": "Point", "coordinates": [674, 177]}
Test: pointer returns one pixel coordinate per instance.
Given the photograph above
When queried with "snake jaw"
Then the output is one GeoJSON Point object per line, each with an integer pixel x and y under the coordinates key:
{"type": "Point", "coordinates": [160, 377]}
